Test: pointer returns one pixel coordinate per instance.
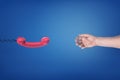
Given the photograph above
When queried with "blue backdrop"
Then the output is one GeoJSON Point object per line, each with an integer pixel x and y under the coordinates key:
{"type": "Point", "coordinates": [62, 21]}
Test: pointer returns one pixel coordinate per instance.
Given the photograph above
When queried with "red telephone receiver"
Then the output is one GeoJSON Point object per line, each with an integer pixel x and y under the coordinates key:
{"type": "Point", "coordinates": [22, 41]}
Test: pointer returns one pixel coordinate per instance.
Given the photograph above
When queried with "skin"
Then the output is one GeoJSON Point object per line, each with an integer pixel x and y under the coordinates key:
{"type": "Point", "coordinates": [87, 41]}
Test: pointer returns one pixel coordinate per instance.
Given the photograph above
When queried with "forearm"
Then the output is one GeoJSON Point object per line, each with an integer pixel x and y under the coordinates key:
{"type": "Point", "coordinates": [108, 41]}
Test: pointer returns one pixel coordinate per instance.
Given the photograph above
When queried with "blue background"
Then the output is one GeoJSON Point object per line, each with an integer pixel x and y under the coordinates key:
{"type": "Point", "coordinates": [62, 21]}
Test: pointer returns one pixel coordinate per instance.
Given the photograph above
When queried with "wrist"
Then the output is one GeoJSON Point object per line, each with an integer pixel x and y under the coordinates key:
{"type": "Point", "coordinates": [97, 41]}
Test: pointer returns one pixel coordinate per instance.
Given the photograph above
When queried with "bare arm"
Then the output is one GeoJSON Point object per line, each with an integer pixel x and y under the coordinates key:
{"type": "Point", "coordinates": [108, 41]}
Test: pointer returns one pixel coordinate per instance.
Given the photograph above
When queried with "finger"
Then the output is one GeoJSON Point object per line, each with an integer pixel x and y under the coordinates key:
{"type": "Point", "coordinates": [82, 45]}
{"type": "Point", "coordinates": [78, 40]}
{"type": "Point", "coordinates": [79, 43]}
{"type": "Point", "coordinates": [85, 42]}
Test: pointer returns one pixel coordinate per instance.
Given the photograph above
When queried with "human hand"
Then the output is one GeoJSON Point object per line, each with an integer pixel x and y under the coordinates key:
{"type": "Point", "coordinates": [86, 41]}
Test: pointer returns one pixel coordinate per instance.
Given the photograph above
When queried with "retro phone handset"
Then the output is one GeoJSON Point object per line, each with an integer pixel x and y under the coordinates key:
{"type": "Point", "coordinates": [22, 41]}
